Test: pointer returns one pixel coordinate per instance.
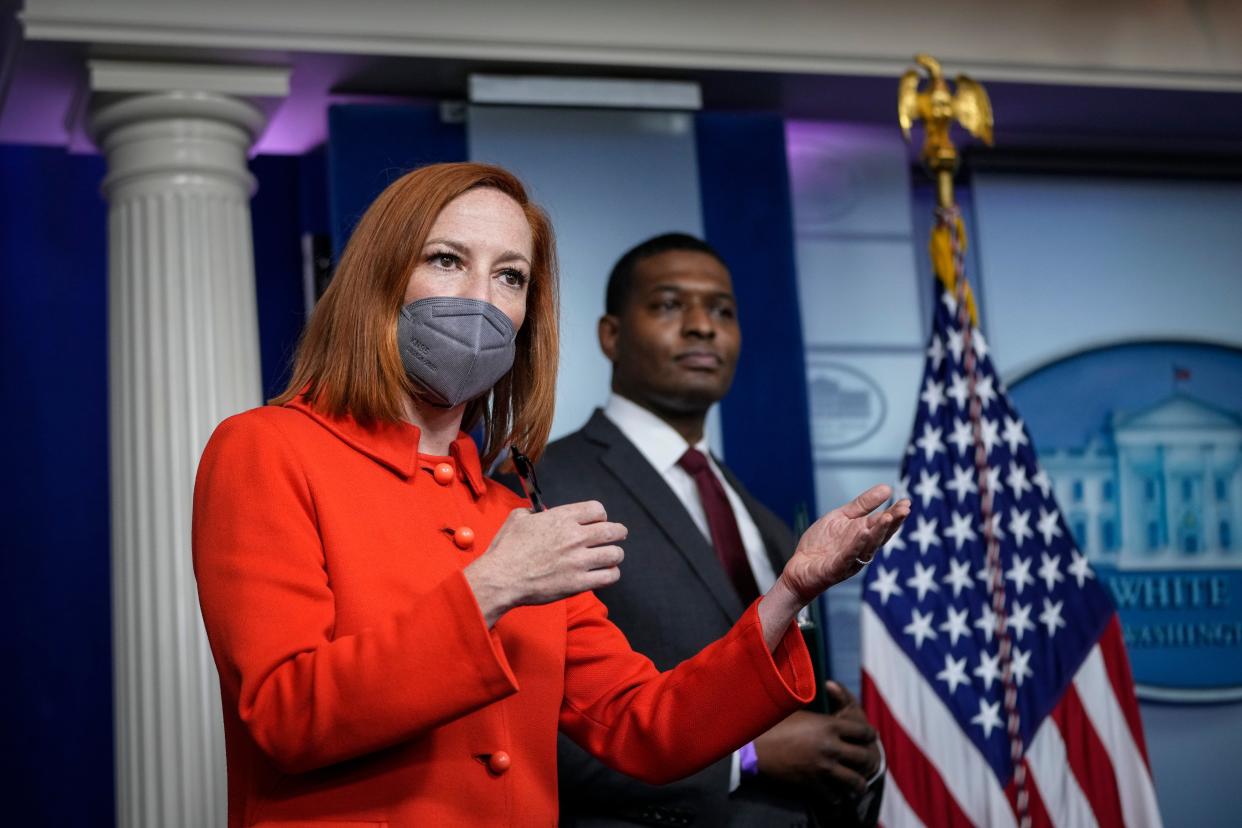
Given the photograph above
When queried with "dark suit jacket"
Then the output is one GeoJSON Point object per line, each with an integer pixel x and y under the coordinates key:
{"type": "Point", "coordinates": [673, 599]}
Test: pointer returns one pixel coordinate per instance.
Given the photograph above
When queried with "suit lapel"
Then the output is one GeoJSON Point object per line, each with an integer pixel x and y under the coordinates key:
{"type": "Point", "coordinates": [647, 486]}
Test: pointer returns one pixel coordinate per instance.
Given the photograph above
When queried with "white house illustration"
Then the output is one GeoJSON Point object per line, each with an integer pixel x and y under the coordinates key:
{"type": "Point", "coordinates": [1158, 488]}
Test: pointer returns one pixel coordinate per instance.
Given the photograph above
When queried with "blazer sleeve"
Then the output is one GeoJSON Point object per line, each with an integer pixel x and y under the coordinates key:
{"type": "Point", "coordinates": [659, 727]}
{"type": "Point", "coordinates": [308, 697]}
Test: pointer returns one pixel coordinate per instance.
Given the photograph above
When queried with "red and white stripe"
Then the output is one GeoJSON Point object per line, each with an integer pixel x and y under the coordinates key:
{"type": "Point", "coordinates": [1087, 761]}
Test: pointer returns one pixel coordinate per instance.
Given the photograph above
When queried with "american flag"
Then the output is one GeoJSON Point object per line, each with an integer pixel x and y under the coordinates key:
{"type": "Point", "coordinates": [945, 635]}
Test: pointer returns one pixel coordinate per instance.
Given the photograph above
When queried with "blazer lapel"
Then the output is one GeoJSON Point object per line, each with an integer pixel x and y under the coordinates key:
{"type": "Point", "coordinates": [647, 486]}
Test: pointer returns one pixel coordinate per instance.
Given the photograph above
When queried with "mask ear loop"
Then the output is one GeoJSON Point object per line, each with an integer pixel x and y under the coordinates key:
{"type": "Point", "coordinates": [530, 483]}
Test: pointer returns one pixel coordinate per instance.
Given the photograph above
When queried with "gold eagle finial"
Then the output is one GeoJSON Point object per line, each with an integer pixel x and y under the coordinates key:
{"type": "Point", "coordinates": [937, 106]}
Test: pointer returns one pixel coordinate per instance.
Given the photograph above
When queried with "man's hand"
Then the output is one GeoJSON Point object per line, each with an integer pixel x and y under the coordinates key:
{"type": "Point", "coordinates": [835, 753]}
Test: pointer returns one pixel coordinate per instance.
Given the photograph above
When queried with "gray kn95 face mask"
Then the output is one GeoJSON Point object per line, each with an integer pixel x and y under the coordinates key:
{"type": "Point", "coordinates": [456, 348]}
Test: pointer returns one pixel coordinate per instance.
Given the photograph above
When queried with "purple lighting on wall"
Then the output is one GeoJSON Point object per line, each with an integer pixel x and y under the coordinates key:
{"type": "Point", "coordinates": [810, 144]}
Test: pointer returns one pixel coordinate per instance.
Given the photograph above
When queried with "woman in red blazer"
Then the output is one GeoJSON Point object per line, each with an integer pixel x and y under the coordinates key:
{"type": "Point", "coordinates": [398, 640]}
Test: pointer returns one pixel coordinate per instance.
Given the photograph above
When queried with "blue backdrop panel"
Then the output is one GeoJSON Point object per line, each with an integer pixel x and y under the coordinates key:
{"type": "Point", "coordinates": [56, 694]}
{"type": "Point", "coordinates": [748, 217]}
{"type": "Point", "coordinates": [279, 212]}
{"type": "Point", "coordinates": [313, 191]}
{"type": "Point", "coordinates": [371, 146]}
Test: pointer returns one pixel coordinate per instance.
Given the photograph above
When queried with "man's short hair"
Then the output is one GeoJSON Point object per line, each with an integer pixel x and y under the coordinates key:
{"type": "Point", "coordinates": [621, 280]}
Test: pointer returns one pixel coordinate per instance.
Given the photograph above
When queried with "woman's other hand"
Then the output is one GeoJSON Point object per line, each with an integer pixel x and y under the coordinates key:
{"type": "Point", "coordinates": [537, 558]}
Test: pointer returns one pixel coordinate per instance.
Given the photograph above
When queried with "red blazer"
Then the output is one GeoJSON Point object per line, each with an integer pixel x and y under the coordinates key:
{"type": "Point", "coordinates": [360, 683]}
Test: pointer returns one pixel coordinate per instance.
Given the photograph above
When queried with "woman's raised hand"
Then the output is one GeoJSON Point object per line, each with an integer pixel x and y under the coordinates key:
{"type": "Point", "coordinates": [537, 558]}
{"type": "Point", "coordinates": [835, 547]}
{"type": "Point", "coordinates": [842, 542]}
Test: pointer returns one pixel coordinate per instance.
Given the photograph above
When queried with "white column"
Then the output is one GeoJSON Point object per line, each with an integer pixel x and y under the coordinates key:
{"type": "Point", "coordinates": [183, 340]}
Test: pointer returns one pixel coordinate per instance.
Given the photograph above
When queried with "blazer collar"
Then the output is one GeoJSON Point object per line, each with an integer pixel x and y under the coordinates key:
{"type": "Point", "coordinates": [395, 445]}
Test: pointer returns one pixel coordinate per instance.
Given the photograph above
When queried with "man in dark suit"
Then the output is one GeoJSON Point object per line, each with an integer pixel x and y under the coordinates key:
{"type": "Point", "coordinates": [700, 549]}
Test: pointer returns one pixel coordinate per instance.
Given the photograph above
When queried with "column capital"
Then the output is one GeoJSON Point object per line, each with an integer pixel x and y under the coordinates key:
{"type": "Point", "coordinates": [171, 119]}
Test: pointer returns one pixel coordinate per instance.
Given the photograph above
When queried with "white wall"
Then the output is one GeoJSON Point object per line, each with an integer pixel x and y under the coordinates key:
{"type": "Point", "coordinates": [1075, 262]}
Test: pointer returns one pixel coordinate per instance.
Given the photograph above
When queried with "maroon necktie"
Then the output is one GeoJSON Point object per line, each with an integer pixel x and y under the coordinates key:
{"type": "Point", "coordinates": [726, 538]}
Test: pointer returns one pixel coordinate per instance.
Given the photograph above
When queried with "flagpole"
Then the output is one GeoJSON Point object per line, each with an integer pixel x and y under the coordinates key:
{"type": "Point", "coordinates": [938, 107]}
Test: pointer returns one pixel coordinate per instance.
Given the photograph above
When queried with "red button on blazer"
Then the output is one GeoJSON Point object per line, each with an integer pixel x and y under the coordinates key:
{"type": "Point", "coordinates": [443, 474]}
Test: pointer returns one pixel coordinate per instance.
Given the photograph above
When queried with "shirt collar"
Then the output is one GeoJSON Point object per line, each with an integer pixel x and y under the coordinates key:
{"type": "Point", "coordinates": [395, 445]}
{"type": "Point", "coordinates": [655, 439]}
